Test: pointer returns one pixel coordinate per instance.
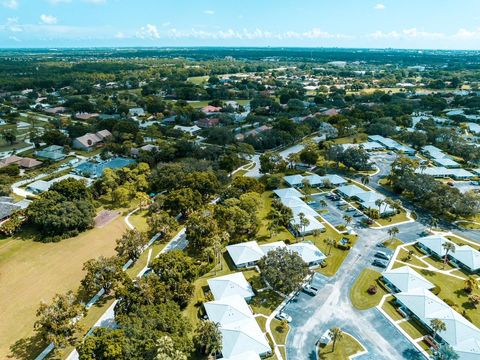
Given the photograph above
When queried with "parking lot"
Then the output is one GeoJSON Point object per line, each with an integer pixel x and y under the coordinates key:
{"type": "Point", "coordinates": [334, 212]}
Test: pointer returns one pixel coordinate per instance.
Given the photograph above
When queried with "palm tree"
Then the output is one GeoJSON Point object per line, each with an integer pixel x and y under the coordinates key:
{"type": "Point", "coordinates": [365, 179]}
{"type": "Point", "coordinates": [316, 233]}
{"type": "Point", "coordinates": [379, 203]}
{"type": "Point", "coordinates": [393, 231]}
{"type": "Point", "coordinates": [470, 285]}
{"type": "Point", "coordinates": [437, 325]}
{"type": "Point", "coordinates": [330, 243]}
{"type": "Point", "coordinates": [322, 203]}
{"type": "Point", "coordinates": [304, 222]}
{"type": "Point", "coordinates": [423, 167]}
{"type": "Point", "coordinates": [448, 246]}
{"type": "Point", "coordinates": [208, 337]}
{"type": "Point", "coordinates": [336, 334]}
{"type": "Point", "coordinates": [433, 223]}
{"type": "Point", "coordinates": [446, 352]}
{"type": "Point", "coordinates": [347, 218]}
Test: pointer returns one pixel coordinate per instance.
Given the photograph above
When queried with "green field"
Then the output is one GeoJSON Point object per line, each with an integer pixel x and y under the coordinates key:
{"type": "Point", "coordinates": [31, 272]}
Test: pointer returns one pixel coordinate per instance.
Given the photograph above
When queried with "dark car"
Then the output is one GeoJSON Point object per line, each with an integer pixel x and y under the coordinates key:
{"type": "Point", "coordinates": [380, 263]}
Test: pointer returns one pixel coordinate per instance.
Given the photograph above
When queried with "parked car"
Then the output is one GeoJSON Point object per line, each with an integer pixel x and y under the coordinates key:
{"type": "Point", "coordinates": [382, 255]}
{"type": "Point", "coordinates": [358, 214]}
{"type": "Point", "coordinates": [350, 209]}
{"type": "Point", "coordinates": [325, 339]}
{"type": "Point", "coordinates": [283, 316]}
{"type": "Point", "coordinates": [380, 263]}
{"type": "Point", "coordinates": [310, 290]}
{"type": "Point", "coordinates": [381, 245]}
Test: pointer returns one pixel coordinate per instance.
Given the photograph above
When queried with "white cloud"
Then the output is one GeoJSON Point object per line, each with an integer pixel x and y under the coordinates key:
{"type": "Point", "coordinates": [208, 12]}
{"type": "Point", "coordinates": [12, 25]}
{"type": "Point", "coordinates": [48, 19]}
{"type": "Point", "coordinates": [465, 34]}
{"type": "Point", "coordinates": [120, 35]}
{"type": "Point", "coordinates": [11, 4]}
{"type": "Point", "coordinates": [14, 38]}
{"type": "Point", "coordinates": [148, 31]}
{"type": "Point", "coordinates": [379, 6]}
{"type": "Point", "coordinates": [406, 34]}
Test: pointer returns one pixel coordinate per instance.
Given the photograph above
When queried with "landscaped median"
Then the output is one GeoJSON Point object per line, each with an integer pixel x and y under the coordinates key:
{"type": "Point", "coordinates": [360, 296]}
{"type": "Point", "coordinates": [346, 347]}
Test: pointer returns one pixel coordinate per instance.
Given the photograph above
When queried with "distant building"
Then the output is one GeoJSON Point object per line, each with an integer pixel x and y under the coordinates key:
{"type": "Point", "coordinates": [89, 141]}
{"type": "Point", "coordinates": [53, 152]}
{"type": "Point", "coordinates": [208, 122]}
{"type": "Point", "coordinates": [211, 109]}
{"type": "Point", "coordinates": [136, 112]}
{"type": "Point", "coordinates": [23, 162]}
{"type": "Point", "coordinates": [192, 130]}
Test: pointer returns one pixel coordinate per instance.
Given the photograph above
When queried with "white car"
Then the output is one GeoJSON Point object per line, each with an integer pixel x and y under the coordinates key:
{"type": "Point", "coordinates": [284, 316]}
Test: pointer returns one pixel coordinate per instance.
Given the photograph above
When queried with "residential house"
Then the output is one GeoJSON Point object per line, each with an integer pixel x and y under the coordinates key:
{"type": "Point", "coordinates": [52, 152]}
{"type": "Point", "coordinates": [405, 279]}
{"type": "Point", "coordinates": [23, 162]}
{"type": "Point", "coordinates": [231, 285]}
{"type": "Point", "coordinates": [245, 254]}
{"type": "Point", "coordinates": [308, 252]}
{"type": "Point", "coordinates": [209, 109]}
{"type": "Point", "coordinates": [208, 122]}
{"type": "Point", "coordinates": [192, 130]}
{"type": "Point", "coordinates": [90, 141]}
{"type": "Point", "coordinates": [136, 112]}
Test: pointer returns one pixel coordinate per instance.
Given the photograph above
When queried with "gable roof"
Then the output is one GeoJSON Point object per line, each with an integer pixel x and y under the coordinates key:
{"type": "Point", "coordinates": [369, 196]}
{"type": "Point", "coordinates": [244, 253]}
{"type": "Point", "coordinates": [228, 310]}
{"type": "Point", "coordinates": [405, 279]}
{"type": "Point", "coordinates": [231, 284]}
{"type": "Point", "coordinates": [293, 179]}
{"type": "Point", "coordinates": [467, 255]}
{"type": "Point", "coordinates": [238, 338]}
{"type": "Point", "coordinates": [350, 190]}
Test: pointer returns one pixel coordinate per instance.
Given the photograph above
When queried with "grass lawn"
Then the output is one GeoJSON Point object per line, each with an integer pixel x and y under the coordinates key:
{"type": "Point", "coordinates": [265, 302]}
{"type": "Point", "coordinates": [452, 289]}
{"type": "Point", "coordinates": [359, 296]}
{"type": "Point", "coordinates": [139, 220]}
{"type": "Point", "coordinates": [5, 146]}
{"type": "Point", "coordinates": [461, 242]}
{"type": "Point", "coordinates": [283, 352]}
{"type": "Point", "coordinates": [439, 264]}
{"type": "Point", "coordinates": [403, 254]}
{"type": "Point", "coordinates": [392, 244]}
{"type": "Point", "coordinates": [391, 309]}
{"type": "Point", "coordinates": [262, 322]}
{"type": "Point", "coordinates": [397, 218]}
{"type": "Point", "coordinates": [337, 256]}
{"type": "Point", "coordinates": [198, 80]}
{"type": "Point", "coordinates": [32, 271]}
{"type": "Point", "coordinates": [279, 333]}
{"type": "Point", "coordinates": [344, 348]}
{"type": "Point", "coordinates": [414, 328]}
{"type": "Point", "coordinates": [263, 235]}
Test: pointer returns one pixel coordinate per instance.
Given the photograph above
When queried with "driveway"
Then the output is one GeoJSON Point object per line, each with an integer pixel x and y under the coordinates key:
{"type": "Point", "coordinates": [312, 316]}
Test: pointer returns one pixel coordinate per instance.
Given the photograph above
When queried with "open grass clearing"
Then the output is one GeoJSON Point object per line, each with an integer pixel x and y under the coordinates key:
{"type": "Point", "coordinates": [344, 348]}
{"type": "Point", "coordinates": [393, 243]}
{"type": "Point", "coordinates": [395, 219]}
{"type": "Point", "coordinates": [359, 296]}
{"type": "Point", "coordinates": [390, 308]}
{"type": "Point", "coordinates": [403, 255]}
{"type": "Point", "coordinates": [31, 272]}
{"type": "Point", "coordinates": [279, 332]}
{"type": "Point", "coordinates": [198, 80]}
{"type": "Point", "coordinates": [265, 302]}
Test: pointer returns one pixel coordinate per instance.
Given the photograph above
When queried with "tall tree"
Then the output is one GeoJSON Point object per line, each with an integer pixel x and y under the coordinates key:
{"type": "Point", "coordinates": [55, 321]}
{"type": "Point", "coordinates": [437, 325]}
{"type": "Point", "coordinates": [336, 334]}
{"type": "Point", "coordinates": [101, 273]}
{"type": "Point", "coordinates": [130, 245]}
{"type": "Point", "coordinates": [208, 338]}
{"type": "Point", "coordinates": [448, 247]}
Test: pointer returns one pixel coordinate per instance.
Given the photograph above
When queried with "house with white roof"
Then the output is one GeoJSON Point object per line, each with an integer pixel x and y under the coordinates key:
{"type": "Point", "coordinates": [240, 331]}
{"type": "Point", "coordinates": [266, 248]}
{"type": "Point", "coordinates": [443, 172]}
{"type": "Point", "coordinates": [245, 254]}
{"type": "Point", "coordinates": [248, 355]}
{"type": "Point", "coordinates": [460, 334]}
{"type": "Point", "coordinates": [313, 224]}
{"type": "Point", "coordinates": [294, 180]}
{"type": "Point", "coordinates": [308, 252]}
{"type": "Point", "coordinates": [464, 256]}
{"type": "Point", "coordinates": [289, 192]}
{"type": "Point", "coordinates": [230, 285]}
{"type": "Point", "coordinates": [405, 279]}
{"type": "Point", "coordinates": [334, 180]}
{"type": "Point", "coordinates": [349, 191]}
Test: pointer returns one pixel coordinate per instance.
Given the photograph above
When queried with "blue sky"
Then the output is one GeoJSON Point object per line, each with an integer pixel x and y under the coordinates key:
{"type": "Point", "coordinates": [433, 24]}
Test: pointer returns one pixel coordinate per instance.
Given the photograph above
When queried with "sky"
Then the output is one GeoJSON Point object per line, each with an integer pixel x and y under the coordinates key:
{"type": "Point", "coordinates": [413, 24]}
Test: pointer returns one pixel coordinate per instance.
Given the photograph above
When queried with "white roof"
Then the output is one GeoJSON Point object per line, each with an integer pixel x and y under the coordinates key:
{"type": "Point", "coordinates": [350, 190]}
{"type": "Point", "coordinates": [293, 179]}
{"type": "Point", "coordinates": [334, 179]}
{"type": "Point", "coordinates": [434, 243]}
{"type": "Point", "coordinates": [468, 256]}
{"type": "Point", "coordinates": [405, 279]}
{"type": "Point", "coordinates": [305, 209]}
{"type": "Point", "coordinates": [272, 246]}
{"type": "Point", "coordinates": [244, 253]}
{"type": "Point", "coordinates": [307, 251]}
{"type": "Point", "coordinates": [461, 334]}
{"type": "Point", "coordinates": [240, 331]}
{"type": "Point", "coordinates": [442, 171]}
{"type": "Point", "coordinates": [228, 310]}
{"type": "Point", "coordinates": [249, 355]}
{"type": "Point", "coordinates": [314, 179]}
{"type": "Point", "coordinates": [231, 284]}
{"type": "Point", "coordinates": [313, 223]}
{"type": "Point", "coordinates": [289, 192]}
{"type": "Point", "coordinates": [369, 196]}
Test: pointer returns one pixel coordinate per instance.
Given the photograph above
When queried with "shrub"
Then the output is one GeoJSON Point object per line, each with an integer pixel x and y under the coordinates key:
{"type": "Point", "coordinates": [436, 290]}
{"type": "Point", "coordinates": [372, 289]}
{"type": "Point", "coordinates": [449, 302]}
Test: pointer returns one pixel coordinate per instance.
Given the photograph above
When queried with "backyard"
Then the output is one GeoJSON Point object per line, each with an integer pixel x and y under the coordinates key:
{"type": "Point", "coordinates": [32, 271]}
